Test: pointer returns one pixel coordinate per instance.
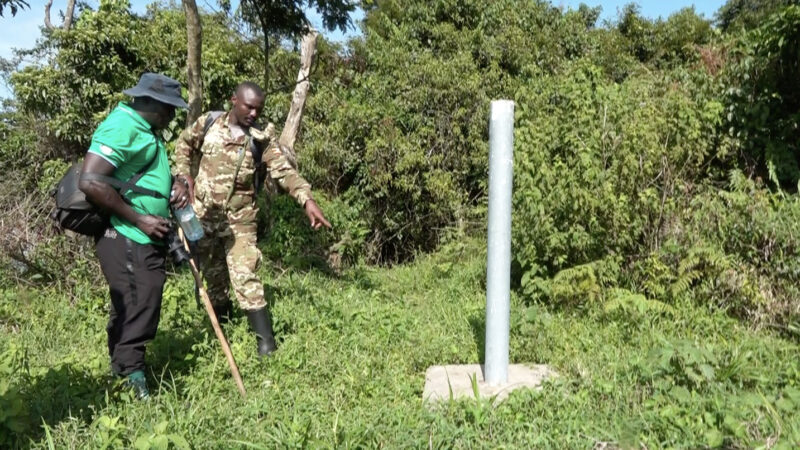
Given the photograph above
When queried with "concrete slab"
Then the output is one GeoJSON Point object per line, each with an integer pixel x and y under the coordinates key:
{"type": "Point", "coordinates": [437, 388]}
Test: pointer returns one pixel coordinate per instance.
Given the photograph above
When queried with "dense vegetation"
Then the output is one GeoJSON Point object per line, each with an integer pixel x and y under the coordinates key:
{"type": "Point", "coordinates": [655, 257]}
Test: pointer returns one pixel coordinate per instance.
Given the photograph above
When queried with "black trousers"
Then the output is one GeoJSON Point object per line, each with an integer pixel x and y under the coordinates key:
{"type": "Point", "coordinates": [135, 274]}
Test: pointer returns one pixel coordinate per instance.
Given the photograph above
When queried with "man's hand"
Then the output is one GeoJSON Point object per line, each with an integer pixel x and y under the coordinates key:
{"type": "Point", "coordinates": [315, 216]}
{"type": "Point", "coordinates": [265, 136]}
{"type": "Point", "coordinates": [182, 191]}
{"type": "Point", "coordinates": [153, 226]}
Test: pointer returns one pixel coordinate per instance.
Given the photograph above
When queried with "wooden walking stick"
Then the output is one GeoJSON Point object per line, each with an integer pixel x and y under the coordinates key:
{"type": "Point", "coordinates": [214, 322]}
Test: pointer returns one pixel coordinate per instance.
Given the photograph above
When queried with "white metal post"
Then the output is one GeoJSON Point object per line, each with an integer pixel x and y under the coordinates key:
{"type": "Point", "coordinates": [498, 270]}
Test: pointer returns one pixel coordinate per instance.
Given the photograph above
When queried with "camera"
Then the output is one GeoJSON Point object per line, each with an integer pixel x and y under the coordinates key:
{"type": "Point", "coordinates": [175, 248]}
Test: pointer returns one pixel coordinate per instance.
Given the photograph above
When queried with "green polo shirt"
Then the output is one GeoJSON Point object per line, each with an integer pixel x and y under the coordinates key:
{"type": "Point", "coordinates": [128, 142]}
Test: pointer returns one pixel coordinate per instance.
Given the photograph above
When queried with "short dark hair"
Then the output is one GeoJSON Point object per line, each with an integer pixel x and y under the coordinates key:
{"type": "Point", "coordinates": [248, 86]}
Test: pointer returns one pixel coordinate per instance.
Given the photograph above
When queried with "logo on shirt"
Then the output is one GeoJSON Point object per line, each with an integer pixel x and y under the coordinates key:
{"type": "Point", "coordinates": [106, 150]}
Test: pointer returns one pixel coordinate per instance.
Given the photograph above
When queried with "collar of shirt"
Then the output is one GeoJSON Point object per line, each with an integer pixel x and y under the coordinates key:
{"type": "Point", "coordinates": [122, 106]}
{"type": "Point", "coordinates": [228, 131]}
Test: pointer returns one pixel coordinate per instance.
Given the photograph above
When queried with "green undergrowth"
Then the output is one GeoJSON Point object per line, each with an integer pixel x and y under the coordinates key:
{"type": "Point", "coordinates": [351, 366]}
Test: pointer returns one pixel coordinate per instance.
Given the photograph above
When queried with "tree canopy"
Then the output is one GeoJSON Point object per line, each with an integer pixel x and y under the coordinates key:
{"type": "Point", "coordinates": [13, 6]}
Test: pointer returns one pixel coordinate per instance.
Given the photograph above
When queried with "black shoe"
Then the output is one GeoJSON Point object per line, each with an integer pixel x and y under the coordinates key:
{"type": "Point", "coordinates": [261, 323]}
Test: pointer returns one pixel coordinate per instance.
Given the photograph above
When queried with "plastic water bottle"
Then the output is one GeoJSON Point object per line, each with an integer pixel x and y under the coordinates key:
{"type": "Point", "coordinates": [189, 223]}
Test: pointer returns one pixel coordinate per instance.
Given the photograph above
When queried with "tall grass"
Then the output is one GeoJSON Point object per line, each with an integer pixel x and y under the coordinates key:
{"type": "Point", "coordinates": [351, 368]}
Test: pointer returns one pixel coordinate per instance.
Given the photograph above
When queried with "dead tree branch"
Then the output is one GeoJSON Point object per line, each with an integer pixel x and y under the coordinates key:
{"type": "Point", "coordinates": [292, 127]}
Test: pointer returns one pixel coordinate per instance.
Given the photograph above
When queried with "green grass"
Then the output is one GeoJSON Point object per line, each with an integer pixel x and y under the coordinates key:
{"type": "Point", "coordinates": [351, 368]}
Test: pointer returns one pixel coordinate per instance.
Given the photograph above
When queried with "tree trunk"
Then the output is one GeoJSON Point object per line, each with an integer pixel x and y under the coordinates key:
{"type": "Point", "coordinates": [194, 78]}
{"type": "Point", "coordinates": [266, 56]}
{"type": "Point", "coordinates": [68, 15]}
{"type": "Point", "coordinates": [292, 126]}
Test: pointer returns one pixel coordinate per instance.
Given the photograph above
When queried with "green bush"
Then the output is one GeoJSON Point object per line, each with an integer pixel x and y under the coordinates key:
{"type": "Point", "coordinates": [601, 166]}
{"type": "Point", "coordinates": [737, 15]}
{"type": "Point", "coordinates": [752, 267]}
{"type": "Point", "coordinates": [399, 133]}
{"type": "Point", "coordinates": [762, 98]}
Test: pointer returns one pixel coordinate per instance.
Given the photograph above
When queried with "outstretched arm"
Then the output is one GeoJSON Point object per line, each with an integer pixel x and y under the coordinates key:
{"type": "Point", "coordinates": [283, 171]}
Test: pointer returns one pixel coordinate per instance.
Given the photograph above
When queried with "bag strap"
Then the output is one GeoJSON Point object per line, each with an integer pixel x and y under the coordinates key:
{"type": "Point", "coordinates": [124, 186]}
{"type": "Point", "coordinates": [212, 117]}
{"type": "Point", "coordinates": [255, 150]}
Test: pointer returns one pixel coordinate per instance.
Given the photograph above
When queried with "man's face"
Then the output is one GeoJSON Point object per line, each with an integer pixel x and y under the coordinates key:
{"type": "Point", "coordinates": [165, 114]}
{"type": "Point", "coordinates": [247, 106]}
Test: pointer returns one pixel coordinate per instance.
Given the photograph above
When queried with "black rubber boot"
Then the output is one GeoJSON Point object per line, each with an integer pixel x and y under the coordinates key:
{"type": "Point", "coordinates": [224, 312]}
{"type": "Point", "coordinates": [261, 323]}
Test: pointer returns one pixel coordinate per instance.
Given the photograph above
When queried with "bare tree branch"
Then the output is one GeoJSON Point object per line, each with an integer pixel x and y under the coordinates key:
{"type": "Point", "coordinates": [292, 127]}
{"type": "Point", "coordinates": [67, 16]}
{"type": "Point", "coordinates": [47, 22]}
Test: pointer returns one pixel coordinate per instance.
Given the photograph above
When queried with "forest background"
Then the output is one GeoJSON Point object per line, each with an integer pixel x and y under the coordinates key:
{"type": "Point", "coordinates": [654, 242]}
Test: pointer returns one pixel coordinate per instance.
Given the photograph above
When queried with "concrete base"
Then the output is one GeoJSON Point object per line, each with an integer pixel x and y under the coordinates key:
{"type": "Point", "coordinates": [437, 387]}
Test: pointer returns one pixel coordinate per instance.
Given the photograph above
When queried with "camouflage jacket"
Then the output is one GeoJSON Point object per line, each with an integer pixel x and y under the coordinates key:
{"type": "Point", "coordinates": [215, 157]}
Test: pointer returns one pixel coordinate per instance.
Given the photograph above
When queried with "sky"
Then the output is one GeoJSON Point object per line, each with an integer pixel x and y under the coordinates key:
{"type": "Point", "coordinates": [22, 30]}
{"type": "Point", "coordinates": [649, 8]}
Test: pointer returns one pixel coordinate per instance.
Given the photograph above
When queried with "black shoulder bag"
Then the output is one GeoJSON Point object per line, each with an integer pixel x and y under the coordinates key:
{"type": "Point", "coordinates": [74, 212]}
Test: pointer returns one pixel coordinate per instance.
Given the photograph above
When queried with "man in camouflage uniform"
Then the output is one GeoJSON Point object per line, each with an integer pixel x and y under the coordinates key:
{"type": "Point", "coordinates": [224, 191]}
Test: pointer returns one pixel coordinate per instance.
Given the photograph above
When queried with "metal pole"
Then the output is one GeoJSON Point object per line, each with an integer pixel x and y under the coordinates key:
{"type": "Point", "coordinates": [498, 268]}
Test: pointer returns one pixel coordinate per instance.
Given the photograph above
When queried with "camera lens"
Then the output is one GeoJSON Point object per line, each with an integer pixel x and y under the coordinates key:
{"type": "Point", "coordinates": [176, 249]}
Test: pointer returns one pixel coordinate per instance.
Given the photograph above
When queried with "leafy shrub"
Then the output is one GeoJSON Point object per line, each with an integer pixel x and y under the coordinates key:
{"type": "Point", "coordinates": [287, 237]}
{"type": "Point", "coordinates": [601, 166]}
{"type": "Point", "coordinates": [755, 230]}
{"type": "Point", "coordinates": [19, 155]}
{"type": "Point", "coordinates": [613, 204]}
{"type": "Point", "coordinates": [762, 99]}
{"type": "Point", "coordinates": [736, 15]}
{"type": "Point", "coordinates": [400, 133]}
{"type": "Point", "coordinates": [31, 248]}
{"type": "Point", "coordinates": [730, 249]}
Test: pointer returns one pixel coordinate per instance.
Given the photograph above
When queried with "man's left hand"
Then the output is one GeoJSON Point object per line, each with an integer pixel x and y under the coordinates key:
{"type": "Point", "coordinates": [315, 216]}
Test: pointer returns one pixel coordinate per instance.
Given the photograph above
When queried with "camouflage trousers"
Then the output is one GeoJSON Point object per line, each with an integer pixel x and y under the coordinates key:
{"type": "Point", "coordinates": [228, 256]}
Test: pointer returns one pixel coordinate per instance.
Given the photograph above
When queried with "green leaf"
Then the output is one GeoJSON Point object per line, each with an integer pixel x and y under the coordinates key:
{"type": "Point", "coordinates": [784, 404]}
{"type": "Point", "coordinates": [707, 371]}
{"type": "Point", "coordinates": [160, 442]}
{"type": "Point", "coordinates": [179, 441]}
{"type": "Point", "coordinates": [680, 394]}
{"type": "Point", "coordinates": [714, 438]}
{"type": "Point", "coordinates": [143, 442]}
{"type": "Point", "coordinates": [161, 428]}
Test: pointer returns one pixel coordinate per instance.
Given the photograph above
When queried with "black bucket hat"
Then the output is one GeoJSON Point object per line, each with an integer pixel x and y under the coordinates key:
{"type": "Point", "coordinates": [160, 87]}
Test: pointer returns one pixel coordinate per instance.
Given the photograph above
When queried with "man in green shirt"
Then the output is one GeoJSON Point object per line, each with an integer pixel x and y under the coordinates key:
{"type": "Point", "coordinates": [132, 250]}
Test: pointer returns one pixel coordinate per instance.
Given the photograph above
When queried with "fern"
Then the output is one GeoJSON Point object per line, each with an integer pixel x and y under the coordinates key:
{"type": "Point", "coordinates": [575, 285]}
{"type": "Point", "coordinates": [627, 302]}
{"type": "Point", "coordinates": [702, 263]}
